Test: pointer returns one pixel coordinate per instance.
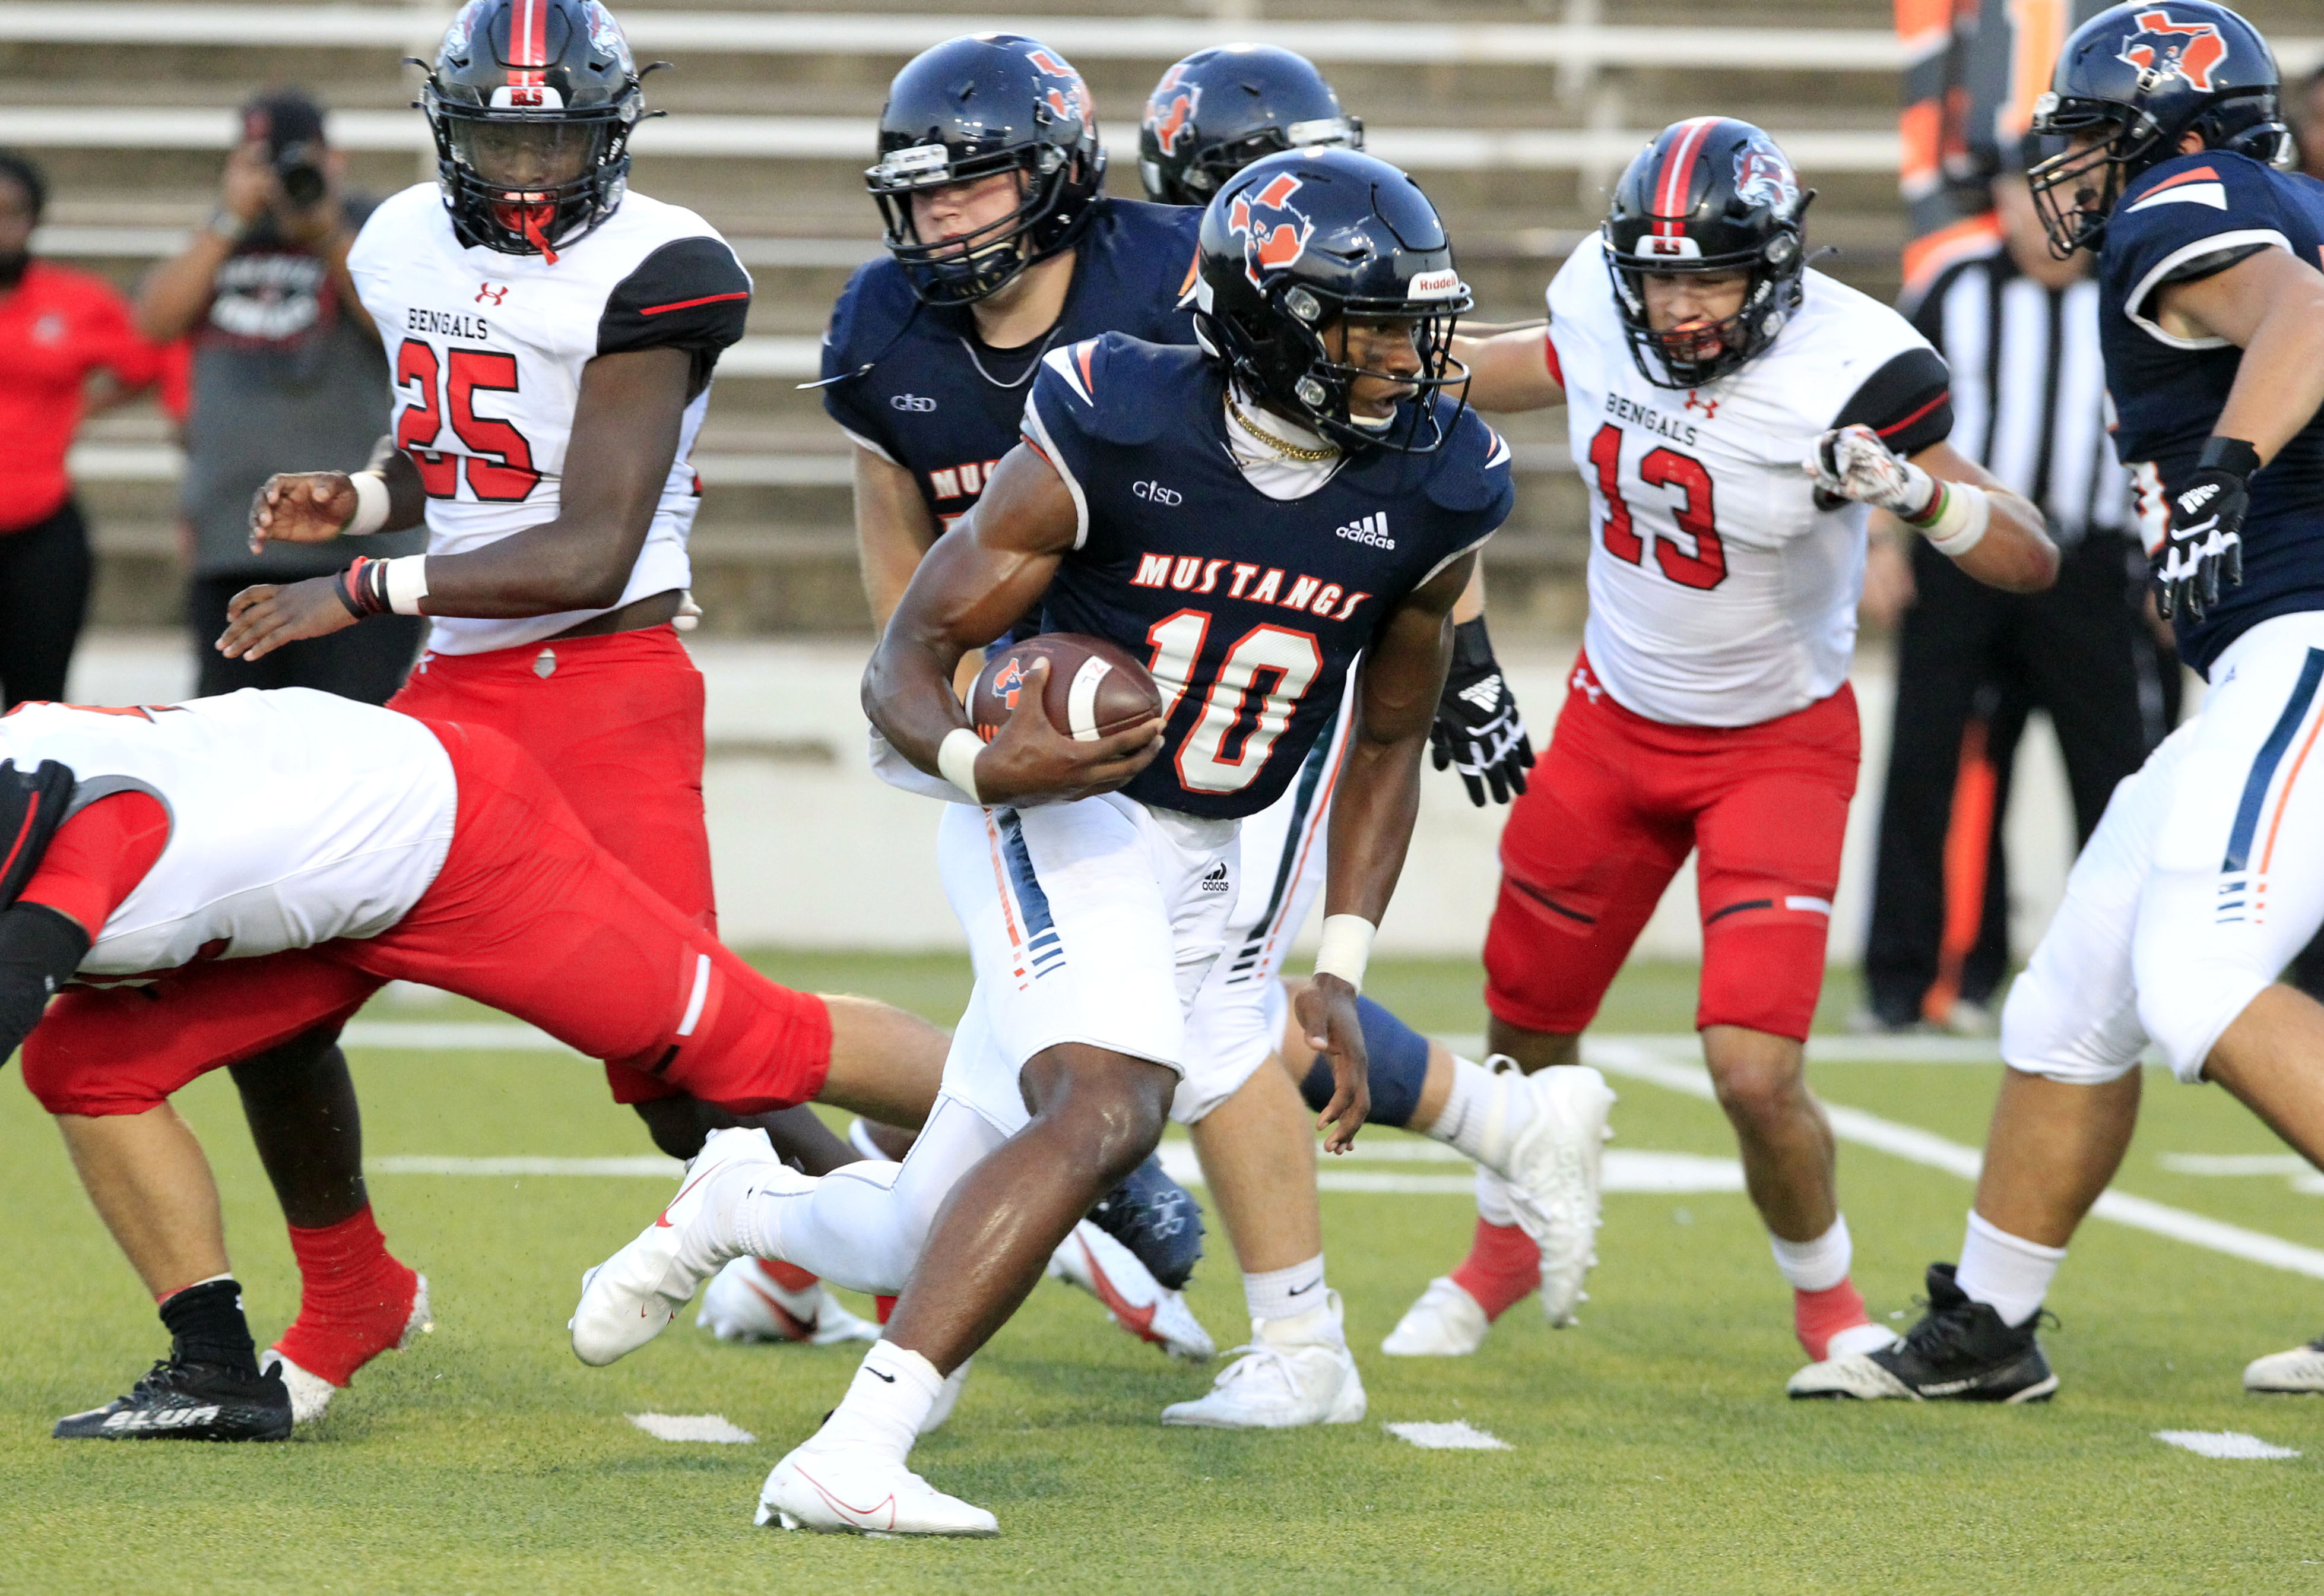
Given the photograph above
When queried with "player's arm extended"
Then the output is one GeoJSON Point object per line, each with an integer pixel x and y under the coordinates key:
{"type": "Point", "coordinates": [989, 570]}
{"type": "Point", "coordinates": [626, 420]}
{"type": "Point", "coordinates": [1372, 814]}
{"type": "Point", "coordinates": [2016, 554]}
{"type": "Point", "coordinates": [1510, 370]}
{"type": "Point", "coordinates": [2271, 306]}
{"type": "Point", "coordinates": [894, 528]}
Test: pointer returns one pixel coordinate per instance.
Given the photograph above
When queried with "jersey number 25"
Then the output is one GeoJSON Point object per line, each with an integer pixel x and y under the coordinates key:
{"type": "Point", "coordinates": [500, 461]}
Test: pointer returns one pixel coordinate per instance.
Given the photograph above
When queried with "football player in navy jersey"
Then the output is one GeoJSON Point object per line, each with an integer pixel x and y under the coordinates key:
{"type": "Point", "coordinates": [2206, 873]}
{"type": "Point", "coordinates": [1325, 500]}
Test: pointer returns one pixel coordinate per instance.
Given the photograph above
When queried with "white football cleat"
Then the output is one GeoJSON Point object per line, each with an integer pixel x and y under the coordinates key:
{"type": "Point", "coordinates": [746, 1302]}
{"type": "Point", "coordinates": [857, 1493]}
{"type": "Point", "coordinates": [2286, 1373]}
{"type": "Point", "coordinates": [1294, 1372]}
{"type": "Point", "coordinates": [311, 1394]}
{"type": "Point", "coordinates": [1445, 1323]}
{"type": "Point", "coordinates": [1554, 1177]}
{"type": "Point", "coordinates": [1109, 1271]}
{"type": "Point", "coordinates": [633, 1296]}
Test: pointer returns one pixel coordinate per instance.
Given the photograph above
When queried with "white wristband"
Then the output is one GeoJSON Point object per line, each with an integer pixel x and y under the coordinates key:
{"type": "Point", "coordinates": [371, 504]}
{"type": "Point", "coordinates": [956, 760]}
{"type": "Point", "coordinates": [407, 582]}
{"type": "Point", "coordinates": [1347, 947]}
{"type": "Point", "coordinates": [1960, 524]}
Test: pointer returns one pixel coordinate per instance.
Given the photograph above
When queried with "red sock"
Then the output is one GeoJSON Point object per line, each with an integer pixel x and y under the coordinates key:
{"type": "Point", "coordinates": [1818, 1315]}
{"type": "Point", "coordinates": [788, 1275]}
{"type": "Point", "coordinates": [354, 1299]}
{"type": "Point", "coordinates": [1502, 1268]}
{"type": "Point", "coordinates": [886, 1305]}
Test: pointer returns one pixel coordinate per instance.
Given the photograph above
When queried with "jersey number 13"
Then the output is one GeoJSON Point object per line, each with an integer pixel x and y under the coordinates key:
{"type": "Point", "coordinates": [1697, 517]}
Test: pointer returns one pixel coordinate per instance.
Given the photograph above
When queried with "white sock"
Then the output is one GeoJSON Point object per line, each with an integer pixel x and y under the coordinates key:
{"type": "Point", "coordinates": [1485, 1112]}
{"type": "Point", "coordinates": [1817, 1265]}
{"type": "Point", "coordinates": [1493, 1205]}
{"type": "Point", "coordinates": [1285, 1294]}
{"type": "Point", "coordinates": [891, 1394]}
{"type": "Point", "coordinates": [2006, 1271]}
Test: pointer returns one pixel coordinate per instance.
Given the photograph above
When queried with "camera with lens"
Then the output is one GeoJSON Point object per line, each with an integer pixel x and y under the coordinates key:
{"type": "Point", "coordinates": [298, 166]}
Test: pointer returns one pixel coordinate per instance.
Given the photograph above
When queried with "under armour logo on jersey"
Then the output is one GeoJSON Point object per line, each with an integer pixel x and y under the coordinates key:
{"type": "Point", "coordinates": [1694, 402]}
{"type": "Point", "coordinates": [488, 294]}
{"type": "Point", "coordinates": [1583, 684]}
{"type": "Point", "coordinates": [1372, 529]}
{"type": "Point", "coordinates": [1484, 693]}
{"type": "Point", "coordinates": [1216, 881]}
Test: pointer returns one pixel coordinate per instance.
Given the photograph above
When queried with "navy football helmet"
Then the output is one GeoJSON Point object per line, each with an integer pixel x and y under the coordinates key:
{"type": "Point", "coordinates": [1300, 241]}
{"type": "Point", "coordinates": [1221, 109]}
{"type": "Point", "coordinates": [968, 109]}
{"type": "Point", "coordinates": [2130, 84]}
{"type": "Point", "coordinates": [531, 103]}
{"type": "Point", "coordinates": [1710, 195]}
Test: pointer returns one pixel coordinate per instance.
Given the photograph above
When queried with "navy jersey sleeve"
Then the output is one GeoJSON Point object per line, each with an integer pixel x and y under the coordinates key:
{"type": "Point", "coordinates": [1062, 417]}
{"type": "Point", "coordinates": [1908, 401]}
{"type": "Point", "coordinates": [843, 360]}
{"type": "Point", "coordinates": [1473, 486]}
{"type": "Point", "coordinates": [2190, 218]}
{"type": "Point", "coordinates": [689, 294]}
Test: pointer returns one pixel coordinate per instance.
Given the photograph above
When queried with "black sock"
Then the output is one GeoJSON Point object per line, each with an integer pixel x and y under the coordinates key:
{"type": "Point", "coordinates": [206, 1327]}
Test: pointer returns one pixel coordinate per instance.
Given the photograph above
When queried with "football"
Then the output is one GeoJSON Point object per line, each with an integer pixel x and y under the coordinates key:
{"type": "Point", "coordinates": [1095, 689]}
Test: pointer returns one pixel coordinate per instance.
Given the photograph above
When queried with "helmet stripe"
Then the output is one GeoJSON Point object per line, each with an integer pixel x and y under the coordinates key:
{"type": "Point", "coordinates": [527, 40]}
{"type": "Point", "coordinates": [1678, 167]}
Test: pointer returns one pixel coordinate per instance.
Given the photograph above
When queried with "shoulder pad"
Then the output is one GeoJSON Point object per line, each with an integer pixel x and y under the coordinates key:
{"type": "Point", "coordinates": [1113, 387]}
{"type": "Point", "coordinates": [1474, 467]}
{"type": "Point", "coordinates": [869, 312]}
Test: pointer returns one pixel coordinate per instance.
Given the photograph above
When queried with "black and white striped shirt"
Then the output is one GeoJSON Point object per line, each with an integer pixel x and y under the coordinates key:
{"type": "Point", "coordinates": [2029, 389]}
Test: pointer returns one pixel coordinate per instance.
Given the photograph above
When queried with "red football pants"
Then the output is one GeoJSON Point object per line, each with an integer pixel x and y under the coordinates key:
{"type": "Point", "coordinates": [528, 915]}
{"type": "Point", "coordinates": [616, 722]}
{"type": "Point", "coordinates": [1610, 815]}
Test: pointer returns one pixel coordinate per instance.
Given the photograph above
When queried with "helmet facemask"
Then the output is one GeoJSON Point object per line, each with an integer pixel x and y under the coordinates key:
{"type": "Point", "coordinates": [1697, 351]}
{"type": "Point", "coordinates": [539, 179]}
{"type": "Point", "coordinates": [1284, 361]}
{"type": "Point", "coordinates": [2110, 145]}
{"type": "Point", "coordinates": [978, 264]}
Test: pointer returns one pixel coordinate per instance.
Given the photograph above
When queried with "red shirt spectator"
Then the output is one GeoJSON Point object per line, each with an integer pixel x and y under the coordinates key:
{"type": "Point", "coordinates": [58, 328]}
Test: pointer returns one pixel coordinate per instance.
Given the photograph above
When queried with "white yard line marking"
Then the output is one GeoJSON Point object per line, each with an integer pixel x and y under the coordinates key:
{"type": "Point", "coordinates": [1456, 1436]}
{"type": "Point", "coordinates": [1625, 1056]}
{"type": "Point", "coordinates": [2227, 1443]}
{"type": "Point", "coordinates": [659, 1168]}
{"type": "Point", "coordinates": [713, 1427]}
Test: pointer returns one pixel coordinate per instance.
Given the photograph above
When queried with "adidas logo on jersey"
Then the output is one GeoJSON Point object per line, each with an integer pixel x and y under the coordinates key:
{"type": "Point", "coordinates": [1372, 529]}
{"type": "Point", "coordinates": [1216, 881]}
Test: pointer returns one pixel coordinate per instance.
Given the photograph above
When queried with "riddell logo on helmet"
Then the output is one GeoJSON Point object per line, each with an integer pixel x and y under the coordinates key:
{"type": "Point", "coordinates": [1170, 112]}
{"type": "Point", "coordinates": [2163, 49]}
{"type": "Point", "coordinates": [1269, 247]}
{"type": "Point", "coordinates": [1433, 285]}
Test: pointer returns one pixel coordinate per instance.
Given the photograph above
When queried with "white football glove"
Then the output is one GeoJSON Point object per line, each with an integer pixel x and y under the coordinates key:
{"type": "Point", "coordinates": [1852, 463]}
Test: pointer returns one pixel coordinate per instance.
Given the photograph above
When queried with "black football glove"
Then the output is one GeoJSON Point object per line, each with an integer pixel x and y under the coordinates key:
{"type": "Point", "coordinates": [1478, 731]}
{"type": "Point", "coordinates": [2207, 520]}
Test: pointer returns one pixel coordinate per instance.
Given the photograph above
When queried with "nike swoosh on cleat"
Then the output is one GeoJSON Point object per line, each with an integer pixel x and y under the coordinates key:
{"type": "Point", "coordinates": [662, 1220]}
{"type": "Point", "coordinates": [849, 1509]}
{"type": "Point", "coordinates": [1138, 1322]}
{"type": "Point", "coordinates": [791, 1326]}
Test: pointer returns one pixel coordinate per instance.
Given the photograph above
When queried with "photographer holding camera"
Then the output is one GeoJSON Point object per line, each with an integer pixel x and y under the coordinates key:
{"type": "Point", "coordinates": [288, 374]}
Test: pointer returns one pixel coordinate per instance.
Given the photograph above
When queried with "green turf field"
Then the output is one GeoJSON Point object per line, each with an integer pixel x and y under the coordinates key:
{"type": "Point", "coordinates": [1650, 1449]}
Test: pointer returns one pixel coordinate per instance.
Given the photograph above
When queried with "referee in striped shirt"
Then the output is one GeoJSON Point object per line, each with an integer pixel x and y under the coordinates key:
{"type": "Point", "coordinates": [2020, 330]}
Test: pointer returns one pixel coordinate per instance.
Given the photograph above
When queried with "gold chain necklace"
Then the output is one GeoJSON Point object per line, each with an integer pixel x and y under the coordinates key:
{"type": "Point", "coordinates": [1288, 449]}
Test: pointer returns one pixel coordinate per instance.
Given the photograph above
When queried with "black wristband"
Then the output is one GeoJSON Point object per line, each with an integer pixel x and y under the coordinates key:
{"type": "Point", "coordinates": [1471, 648]}
{"type": "Point", "coordinates": [2227, 453]}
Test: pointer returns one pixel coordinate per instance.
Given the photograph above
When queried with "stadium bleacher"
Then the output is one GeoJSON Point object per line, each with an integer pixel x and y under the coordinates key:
{"type": "Point", "coordinates": [1513, 114]}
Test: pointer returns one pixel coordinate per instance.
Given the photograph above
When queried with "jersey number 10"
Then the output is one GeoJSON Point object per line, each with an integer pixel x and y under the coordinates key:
{"type": "Point", "coordinates": [500, 461]}
{"type": "Point", "coordinates": [1251, 698]}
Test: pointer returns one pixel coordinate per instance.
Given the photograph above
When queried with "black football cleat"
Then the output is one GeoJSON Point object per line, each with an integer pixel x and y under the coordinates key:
{"type": "Point", "coordinates": [1158, 1220]}
{"type": "Point", "coordinates": [180, 1401]}
{"type": "Point", "coordinates": [1960, 1351]}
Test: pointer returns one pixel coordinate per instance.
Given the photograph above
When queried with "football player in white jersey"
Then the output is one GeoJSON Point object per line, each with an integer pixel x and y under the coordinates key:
{"type": "Point", "coordinates": [552, 337]}
{"type": "Point", "coordinates": [1702, 366]}
{"type": "Point", "coordinates": [191, 927]}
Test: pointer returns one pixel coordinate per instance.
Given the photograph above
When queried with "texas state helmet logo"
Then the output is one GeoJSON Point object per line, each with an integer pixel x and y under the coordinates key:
{"type": "Point", "coordinates": [1072, 102]}
{"type": "Point", "coordinates": [1170, 111]}
{"type": "Point", "coordinates": [2163, 49]}
{"type": "Point", "coordinates": [1274, 234]}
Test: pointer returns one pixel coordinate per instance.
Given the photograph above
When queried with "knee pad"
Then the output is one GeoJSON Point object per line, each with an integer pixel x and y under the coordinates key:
{"type": "Point", "coordinates": [1398, 1056]}
{"type": "Point", "coordinates": [1765, 976]}
{"type": "Point", "coordinates": [2081, 1036]}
